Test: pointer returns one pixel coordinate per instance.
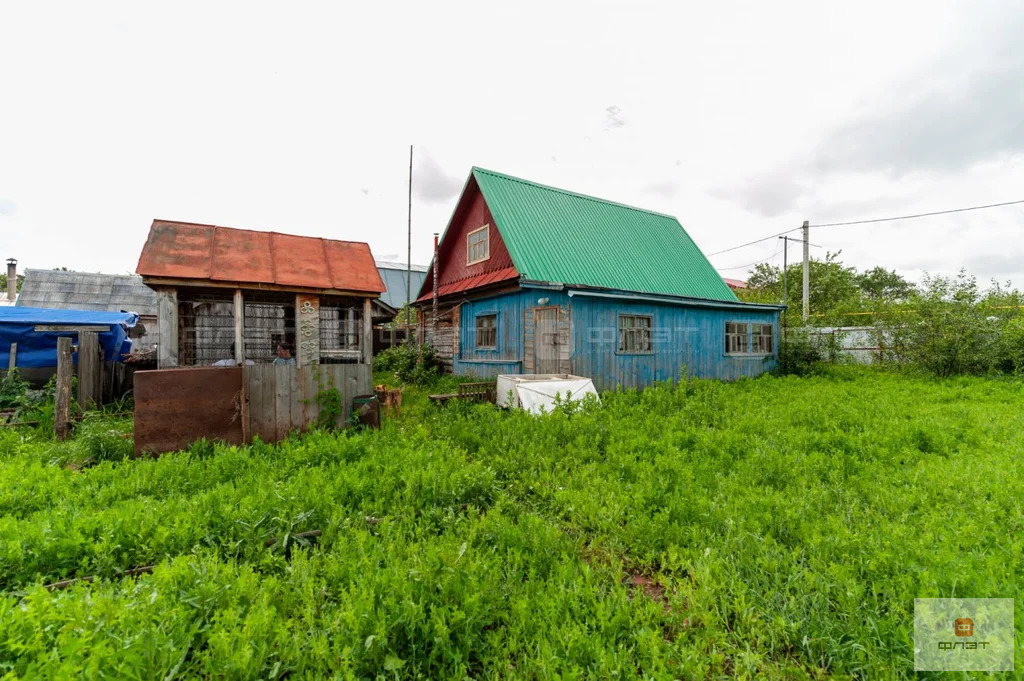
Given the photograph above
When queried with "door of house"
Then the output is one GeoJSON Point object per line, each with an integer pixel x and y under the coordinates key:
{"type": "Point", "coordinates": [545, 340]}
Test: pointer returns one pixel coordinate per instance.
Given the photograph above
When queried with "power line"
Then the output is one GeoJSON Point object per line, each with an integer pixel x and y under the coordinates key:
{"type": "Point", "coordinates": [751, 243]}
{"type": "Point", "coordinates": [874, 220]}
{"type": "Point", "coordinates": [758, 262]}
{"type": "Point", "coordinates": [919, 215]}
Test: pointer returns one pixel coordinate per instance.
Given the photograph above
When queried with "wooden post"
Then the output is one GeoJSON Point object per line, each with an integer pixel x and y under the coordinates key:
{"type": "Point", "coordinates": [239, 328]}
{"type": "Point", "coordinates": [307, 317]}
{"type": "Point", "coordinates": [12, 357]}
{"type": "Point", "coordinates": [167, 321]}
{"type": "Point", "coordinates": [62, 396]}
{"type": "Point", "coordinates": [368, 331]}
{"type": "Point", "coordinates": [89, 370]}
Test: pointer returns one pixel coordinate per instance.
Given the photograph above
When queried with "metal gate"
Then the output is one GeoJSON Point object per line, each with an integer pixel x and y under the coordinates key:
{"type": "Point", "coordinates": [175, 407]}
{"type": "Point", "coordinates": [545, 340]}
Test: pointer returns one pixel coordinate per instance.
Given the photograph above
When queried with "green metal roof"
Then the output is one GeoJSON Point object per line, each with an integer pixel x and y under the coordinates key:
{"type": "Point", "coordinates": [560, 236]}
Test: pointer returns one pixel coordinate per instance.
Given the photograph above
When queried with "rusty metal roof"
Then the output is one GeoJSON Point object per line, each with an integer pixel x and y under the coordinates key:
{"type": "Point", "coordinates": [467, 283]}
{"type": "Point", "coordinates": [185, 250]}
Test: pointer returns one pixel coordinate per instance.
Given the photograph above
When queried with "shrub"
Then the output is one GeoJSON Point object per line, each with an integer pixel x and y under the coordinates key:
{"type": "Point", "coordinates": [12, 389]}
{"type": "Point", "coordinates": [947, 331]}
{"type": "Point", "coordinates": [409, 362]}
{"type": "Point", "coordinates": [804, 351]}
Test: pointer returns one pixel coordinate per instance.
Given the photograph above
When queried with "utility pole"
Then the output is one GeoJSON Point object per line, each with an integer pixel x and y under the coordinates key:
{"type": "Point", "coordinates": [785, 292]}
{"type": "Point", "coordinates": [785, 267]}
{"type": "Point", "coordinates": [807, 269]}
{"type": "Point", "coordinates": [408, 262]}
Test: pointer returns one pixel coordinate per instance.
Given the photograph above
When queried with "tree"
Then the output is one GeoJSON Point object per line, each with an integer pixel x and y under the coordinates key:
{"type": "Point", "coordinates": [3, 282]}
{"type": "Point", "coordinates": [833, 286]}
{"type": "Point", "coordinates": [880, 284]}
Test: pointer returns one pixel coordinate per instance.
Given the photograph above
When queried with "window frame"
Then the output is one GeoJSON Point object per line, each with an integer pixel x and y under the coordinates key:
{"type": "Point", "coordinates": [493, 329]}
{"type": "Point", "coordinates": [751, 346]}
{"type": "Point", "coordinates": [744, 336]}
{"type": "Point", "coordinates": [755, 336]}
{"type": "Point", "coordinates": [486, 229]}
{"type": "Point", "coordinates": [622, 345]}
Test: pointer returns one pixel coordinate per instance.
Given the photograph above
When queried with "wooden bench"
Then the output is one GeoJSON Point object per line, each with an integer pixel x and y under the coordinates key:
{"type": "Point", "coordinates": [473, 392]}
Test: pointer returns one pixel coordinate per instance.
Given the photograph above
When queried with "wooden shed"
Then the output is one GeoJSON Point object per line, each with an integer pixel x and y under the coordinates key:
{"type": "Point", "coordinates": [538, 280]}
{"type": "Point", "coordinates": [235, 294]}
{"type": "Point", "coordinates": [237, 303]}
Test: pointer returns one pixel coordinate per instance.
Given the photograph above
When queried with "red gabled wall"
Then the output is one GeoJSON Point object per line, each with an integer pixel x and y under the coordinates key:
{"type": "Point", "coordinates": [471, 214]}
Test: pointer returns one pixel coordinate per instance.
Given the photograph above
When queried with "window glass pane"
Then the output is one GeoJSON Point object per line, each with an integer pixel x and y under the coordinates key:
{"type": "Point", "coordinates": [634, 333]}
{"type": "Point", "coordinates": [486, 331]}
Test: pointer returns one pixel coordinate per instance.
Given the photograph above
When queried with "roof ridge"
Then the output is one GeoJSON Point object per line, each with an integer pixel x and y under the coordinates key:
{"type": "Point", "coordinates": [569, 192]}
{"type": "Point", "coordinates": [257, 231]}
{"type": "Point", "coordinates": [97, 274]}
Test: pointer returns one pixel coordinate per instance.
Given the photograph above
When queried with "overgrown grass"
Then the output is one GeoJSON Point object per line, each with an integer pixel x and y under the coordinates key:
{"type": "Point", "coordinates": [770, 528]}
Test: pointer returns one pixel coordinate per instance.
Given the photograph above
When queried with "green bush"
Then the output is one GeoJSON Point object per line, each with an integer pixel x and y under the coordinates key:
{"type": "Point", "coordinates": [410, 363]}
{"type": "Point", "coordinates": [1011, 346]}
{"type": "Point", "coordinates": [12, 389]}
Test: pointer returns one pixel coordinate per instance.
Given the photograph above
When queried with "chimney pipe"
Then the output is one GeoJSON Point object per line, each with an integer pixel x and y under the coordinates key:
{"type": "Point", "coordinates": [433, 323]}
{"type": "Point", "coordinates": [12, 279]}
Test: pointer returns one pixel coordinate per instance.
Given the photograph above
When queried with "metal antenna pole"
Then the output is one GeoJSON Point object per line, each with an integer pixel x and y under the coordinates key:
{"type": "Point", "coordinates": [408, 261]}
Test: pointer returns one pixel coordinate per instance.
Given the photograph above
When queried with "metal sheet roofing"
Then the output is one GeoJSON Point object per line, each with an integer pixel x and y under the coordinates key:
{"type": "Point", "coordinates": [183, 250]}
{"type": "Point", "coordinates": [63, 290]}
{"type": "Point", "coordinates": [394, 276]}
{"type": "Point", "coordinates": [555, 235]}
{"type": "Point", "coordinates": [468, 283]}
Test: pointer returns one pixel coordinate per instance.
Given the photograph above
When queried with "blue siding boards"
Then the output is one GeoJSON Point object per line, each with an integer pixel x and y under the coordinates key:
{"type": "Point", "coordinates": [684, 338]}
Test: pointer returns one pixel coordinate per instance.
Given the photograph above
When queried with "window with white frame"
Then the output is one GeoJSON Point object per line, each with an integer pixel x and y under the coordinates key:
{"type": "Point", "coordinates": [478, 246]}
{"type": "Point", "coordinates": [634, 333]}
{"type": "Point", "coordinates": [736, 338]}
{"type": "Point", "coordinates": [487, 331]}
{"type": "Point", "coordinates": [763, 338]}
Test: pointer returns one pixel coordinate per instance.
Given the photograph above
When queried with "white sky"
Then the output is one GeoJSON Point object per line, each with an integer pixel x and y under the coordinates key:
{"type": "Point", "coordinates": [742, 119]}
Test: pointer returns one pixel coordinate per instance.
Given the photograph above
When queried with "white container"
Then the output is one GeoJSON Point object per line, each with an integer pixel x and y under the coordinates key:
{"type": "Point", "coordinates": [533, 391]}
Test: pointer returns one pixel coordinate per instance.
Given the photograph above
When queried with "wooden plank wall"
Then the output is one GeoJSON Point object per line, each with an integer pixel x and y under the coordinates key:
{"type": "Point", "coordinates": [281, 399]}
{"type": "Point", "coordinates": [689, 338]}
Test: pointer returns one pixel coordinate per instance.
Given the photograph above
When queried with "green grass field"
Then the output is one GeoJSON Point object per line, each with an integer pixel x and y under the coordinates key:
{"type": "Point", "coordinates": [771, 528]}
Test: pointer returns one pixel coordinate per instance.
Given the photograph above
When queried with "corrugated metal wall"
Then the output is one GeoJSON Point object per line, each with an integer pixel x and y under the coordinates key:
{"type": "Point", "coordinates": [693, 338]}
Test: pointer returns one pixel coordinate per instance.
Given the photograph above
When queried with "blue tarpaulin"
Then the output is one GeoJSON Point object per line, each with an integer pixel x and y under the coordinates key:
{"type": "Point", "coordinates": [36, 331]}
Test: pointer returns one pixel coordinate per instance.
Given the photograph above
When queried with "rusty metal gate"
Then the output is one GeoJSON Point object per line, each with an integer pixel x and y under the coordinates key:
{"type": "Point", "coordinates": [175, 407]}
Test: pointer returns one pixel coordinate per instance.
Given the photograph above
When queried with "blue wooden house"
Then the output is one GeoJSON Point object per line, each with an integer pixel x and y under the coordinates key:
{"type": "Point", "coordinates": [537, 280]}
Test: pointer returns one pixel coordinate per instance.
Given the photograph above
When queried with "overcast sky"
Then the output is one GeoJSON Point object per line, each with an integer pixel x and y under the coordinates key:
{"type": "Point", "coordinates": [741, 119]}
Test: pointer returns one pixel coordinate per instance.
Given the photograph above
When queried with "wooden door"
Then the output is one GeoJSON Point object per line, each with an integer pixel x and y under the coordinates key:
{"type": "Point", "coordinates": [545, 340]}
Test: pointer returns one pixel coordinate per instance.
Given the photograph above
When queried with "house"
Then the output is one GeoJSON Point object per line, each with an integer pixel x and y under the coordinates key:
{"type": "Point", "coordinates": [233, 295]}
{"type": "Point", "coordinates": [735, 284]}
{"type": "Point", "coordinates": [65, 290]}
{"type": "Point", "coordinates": [534, 279]}
{"type": "Point", "coordinates": [395, 276]}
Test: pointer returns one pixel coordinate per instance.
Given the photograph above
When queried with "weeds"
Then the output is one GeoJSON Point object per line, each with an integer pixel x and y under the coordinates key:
{"type": "Point", "coordinates": [771, 528]}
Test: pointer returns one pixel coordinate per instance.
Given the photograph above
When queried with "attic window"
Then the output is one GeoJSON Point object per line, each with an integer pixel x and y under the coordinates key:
{"type": "Point", "coordinates": [478, 245]}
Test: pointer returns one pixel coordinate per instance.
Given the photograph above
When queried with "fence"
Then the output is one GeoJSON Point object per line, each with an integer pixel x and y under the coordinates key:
{"type": "Point", "coordinates": [857, 343]}
{"type": "Point", "coordinates": [281, 399]}
{"type": "Point", "coordinates": [175, 407]}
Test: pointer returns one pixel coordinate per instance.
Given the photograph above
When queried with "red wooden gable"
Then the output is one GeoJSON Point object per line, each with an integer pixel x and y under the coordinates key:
{"type": "Point", "coordinates": [455, 275]}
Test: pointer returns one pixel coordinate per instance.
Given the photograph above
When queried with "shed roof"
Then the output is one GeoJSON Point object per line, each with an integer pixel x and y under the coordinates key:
{"type": "Point", "coordinates": [394, 276]}
{"type": "Point", "coordinates": [185, 250]}
{"type": "Point", "coordinates": [555, 235]}
{"type": "Point", "coordinates": [64, 290]}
